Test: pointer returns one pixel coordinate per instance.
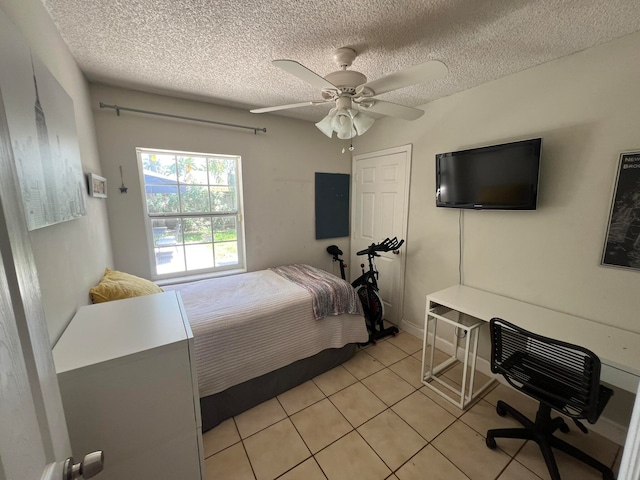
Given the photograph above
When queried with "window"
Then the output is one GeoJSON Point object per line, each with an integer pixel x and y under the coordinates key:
{"type": "Point", "coordinates": [194, 211]}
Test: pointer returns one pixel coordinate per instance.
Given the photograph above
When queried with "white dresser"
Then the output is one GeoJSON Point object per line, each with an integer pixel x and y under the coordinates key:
{"type": "Point", "coordinates": [129, 388]}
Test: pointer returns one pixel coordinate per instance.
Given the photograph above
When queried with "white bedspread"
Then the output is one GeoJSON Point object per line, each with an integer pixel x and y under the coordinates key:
{"type": "Point", "coordinates": [250, 324]}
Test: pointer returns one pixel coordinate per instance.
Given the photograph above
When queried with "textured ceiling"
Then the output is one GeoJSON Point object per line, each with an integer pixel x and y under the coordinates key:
{"type": "Point", "coordinates": [221, 51]}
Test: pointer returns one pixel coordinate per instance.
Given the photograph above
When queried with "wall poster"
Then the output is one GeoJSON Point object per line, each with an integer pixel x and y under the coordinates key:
{"type": "Point", "coordinates": [43, 133]}
{"type": "Point", "coordinates": [622, 243]}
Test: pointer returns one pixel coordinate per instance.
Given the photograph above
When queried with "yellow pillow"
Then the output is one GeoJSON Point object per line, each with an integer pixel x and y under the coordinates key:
{"type": "Point", "coordinates": [117, 285]}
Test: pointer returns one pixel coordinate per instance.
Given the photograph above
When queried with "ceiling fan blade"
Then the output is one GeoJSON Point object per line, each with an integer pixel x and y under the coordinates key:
{"type": "Point", "coordinates": [425, 72]}
{"type": "Point", "coordinates": [285, 107]}
{"type": "Point", "coordinates": [303, 73]}
{"type": "Point", "coordinates": [393, 110]}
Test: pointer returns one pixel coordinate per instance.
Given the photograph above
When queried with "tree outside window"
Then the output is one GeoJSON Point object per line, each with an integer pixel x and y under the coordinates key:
{"type": "Point", "coordinates": [193, 204]}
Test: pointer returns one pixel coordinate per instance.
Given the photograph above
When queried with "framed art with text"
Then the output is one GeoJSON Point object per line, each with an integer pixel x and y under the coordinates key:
{"type": "Point", "coordinates": [622, 242]}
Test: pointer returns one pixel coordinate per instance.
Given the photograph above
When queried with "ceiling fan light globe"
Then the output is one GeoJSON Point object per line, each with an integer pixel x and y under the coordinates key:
{"type": "Point", "coordinates": [325, 127]}
{"type": "Point", "coordinates": [362, 123]}
{"type": "Point", "coordinates": [347, 134]}
{"type": "Point", "coordinates": [336, 124]}
{"type": "Point", "coordinates": [343, 128]}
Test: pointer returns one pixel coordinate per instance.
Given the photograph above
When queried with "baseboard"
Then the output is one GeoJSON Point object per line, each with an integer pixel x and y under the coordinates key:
{"type": "Point", "coordinates": [411, 328]}
{"type": "Point", "coordinates": [607, 428]}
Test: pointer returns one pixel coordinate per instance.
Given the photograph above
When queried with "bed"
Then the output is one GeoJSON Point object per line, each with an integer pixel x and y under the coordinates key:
{"type": "Point", "coordinates": [259, 334]}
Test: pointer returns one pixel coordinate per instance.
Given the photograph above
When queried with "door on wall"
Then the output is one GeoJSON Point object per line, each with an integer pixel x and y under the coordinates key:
{"type": "Point", "coordinates": [34, 441]}
{"type": "Point", "coordinates": [380, 210]}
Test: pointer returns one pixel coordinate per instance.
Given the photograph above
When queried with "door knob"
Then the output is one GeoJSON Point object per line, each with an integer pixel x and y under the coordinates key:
{"type": "Point", "coordinates": [396, 252]}
{"type": "Point", "coordinates": [91, 465]}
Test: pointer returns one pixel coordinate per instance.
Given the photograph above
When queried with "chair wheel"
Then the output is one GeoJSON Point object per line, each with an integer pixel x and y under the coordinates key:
{"type": "Point", "coordinates": [501, 409]}
{"type": "Point", "coordinates": [491, 443]}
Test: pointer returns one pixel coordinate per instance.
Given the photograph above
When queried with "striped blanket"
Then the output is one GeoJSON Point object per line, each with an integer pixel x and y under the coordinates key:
{"type": "Point", "coordinates": [330, 295]}
{"type": "Point", "coordinates": [250, 324]}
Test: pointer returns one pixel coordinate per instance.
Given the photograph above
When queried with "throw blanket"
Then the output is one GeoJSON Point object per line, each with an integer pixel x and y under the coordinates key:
{"type": "Point", "coordinates": [330, 295]}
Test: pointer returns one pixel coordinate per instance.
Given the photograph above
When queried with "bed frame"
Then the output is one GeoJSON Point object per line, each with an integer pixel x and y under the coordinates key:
{"type": "Point", "coordinates": [239, 398]}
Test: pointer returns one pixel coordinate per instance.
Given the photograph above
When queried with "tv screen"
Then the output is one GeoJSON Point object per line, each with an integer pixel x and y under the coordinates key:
{"type": "Point", "coordinates": [501, 177]}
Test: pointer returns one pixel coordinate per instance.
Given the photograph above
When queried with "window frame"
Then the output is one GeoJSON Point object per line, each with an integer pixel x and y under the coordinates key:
{"type": "Point", "coordinates": [149, 217]}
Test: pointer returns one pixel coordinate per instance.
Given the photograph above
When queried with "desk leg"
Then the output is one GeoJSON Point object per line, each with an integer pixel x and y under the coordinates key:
{"type": "Point", "coordinates": [465, 365]}
{"type": "Point", "coordinates": [432, 355]}
{"type": "Point", "coordinates": [474, 357]}
{"type": "Point", "coordinates": [425, 345]}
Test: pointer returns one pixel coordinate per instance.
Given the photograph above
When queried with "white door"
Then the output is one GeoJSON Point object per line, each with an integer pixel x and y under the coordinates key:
{"type": "Point", "coordinates": [380, 209]}
{"type": "Point", "coordinates": [33, 434]}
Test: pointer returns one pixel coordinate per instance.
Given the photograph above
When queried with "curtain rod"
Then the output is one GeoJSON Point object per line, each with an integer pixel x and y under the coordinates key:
{"type": "Point", "coordinates": [117, 108]}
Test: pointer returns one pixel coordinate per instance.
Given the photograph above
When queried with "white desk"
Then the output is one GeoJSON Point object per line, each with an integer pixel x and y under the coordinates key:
{"type": "Point", "coordinates": [618, 349]}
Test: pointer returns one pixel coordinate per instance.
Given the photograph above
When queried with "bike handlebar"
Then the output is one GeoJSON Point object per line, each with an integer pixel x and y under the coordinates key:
{"type": "Point", "coordinates": [386, 245]}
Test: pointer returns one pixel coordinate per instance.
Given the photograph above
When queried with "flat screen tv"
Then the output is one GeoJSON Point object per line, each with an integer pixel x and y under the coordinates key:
{"type": "Point", "coordinates": [501, 177]}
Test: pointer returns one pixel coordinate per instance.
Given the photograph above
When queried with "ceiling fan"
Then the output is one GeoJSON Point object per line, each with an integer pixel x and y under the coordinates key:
{"type": "Point", "coordinates": [353, 94]}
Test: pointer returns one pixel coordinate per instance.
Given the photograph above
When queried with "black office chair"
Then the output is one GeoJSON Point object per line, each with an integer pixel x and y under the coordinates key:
{"type": "Point", "coordinates": [560, 376]}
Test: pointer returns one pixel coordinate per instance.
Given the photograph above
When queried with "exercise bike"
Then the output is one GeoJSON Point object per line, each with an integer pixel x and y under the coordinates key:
{"type": "Point", "coordinates": [366, 286]}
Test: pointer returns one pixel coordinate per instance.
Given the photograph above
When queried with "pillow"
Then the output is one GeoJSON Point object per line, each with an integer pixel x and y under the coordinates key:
{"type": "Point", "coordinates": [117, 285]}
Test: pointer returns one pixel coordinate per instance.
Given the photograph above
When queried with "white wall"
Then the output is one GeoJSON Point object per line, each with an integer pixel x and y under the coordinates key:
{"type": "Point", "coordinates": [586, 108]}
{"type": "Point", "coordinates": [278, 170]}
{"type": "Point", "coordinates": [70, 256]}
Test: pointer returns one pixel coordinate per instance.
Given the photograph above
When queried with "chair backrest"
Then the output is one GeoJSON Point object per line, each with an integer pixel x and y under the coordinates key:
{"type": "Point", "coordinates": [564, 376]}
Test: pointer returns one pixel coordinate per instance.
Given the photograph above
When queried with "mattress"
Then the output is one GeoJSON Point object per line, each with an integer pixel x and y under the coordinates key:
{"type": "Point", "coordinates": [250, 324]}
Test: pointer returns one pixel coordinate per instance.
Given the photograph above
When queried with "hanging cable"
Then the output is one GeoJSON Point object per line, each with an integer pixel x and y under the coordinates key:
{"type": "Point", "coordinates": [460, 243]}
{"type": "Point", "coordinates": [118, 108]}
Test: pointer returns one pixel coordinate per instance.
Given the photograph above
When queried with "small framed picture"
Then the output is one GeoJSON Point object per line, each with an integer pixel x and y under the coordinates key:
{"type": "Point", "coordinates": [97, 185]}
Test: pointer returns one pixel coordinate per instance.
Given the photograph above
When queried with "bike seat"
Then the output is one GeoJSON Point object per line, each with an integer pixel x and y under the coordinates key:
{"type": "Point", "coordinates": [334, 250]}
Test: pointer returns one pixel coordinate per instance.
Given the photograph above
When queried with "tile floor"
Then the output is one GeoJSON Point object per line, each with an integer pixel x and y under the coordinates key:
{"type": "Point", "coordinates": [371, 418]}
